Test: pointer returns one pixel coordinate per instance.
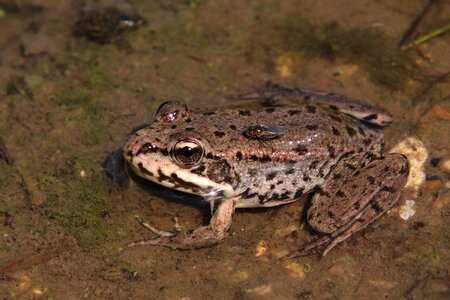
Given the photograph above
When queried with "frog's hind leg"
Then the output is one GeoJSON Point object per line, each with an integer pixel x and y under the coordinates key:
{"type": "Point", "coordinates": [358, 191]}
{"type": "Point", "coordinates": [275, 94]}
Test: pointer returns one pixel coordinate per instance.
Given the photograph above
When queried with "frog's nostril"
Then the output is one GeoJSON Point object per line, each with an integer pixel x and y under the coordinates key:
{"type": "Point", "coordinates": [146, 148]}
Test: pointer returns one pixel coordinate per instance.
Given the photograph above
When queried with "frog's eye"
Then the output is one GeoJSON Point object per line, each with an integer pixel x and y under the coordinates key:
{"type": "Point", "coordinates": [187, 153]}
{"type": "Point", "coordinates": [172, 111]}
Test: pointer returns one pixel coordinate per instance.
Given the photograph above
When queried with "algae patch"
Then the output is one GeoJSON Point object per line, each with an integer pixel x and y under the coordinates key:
{"type": "Point", "coordinates": [78, 204]}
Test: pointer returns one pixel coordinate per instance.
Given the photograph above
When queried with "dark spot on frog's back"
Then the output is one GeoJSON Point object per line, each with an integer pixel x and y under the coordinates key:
{"type": "Point", "coordinates": [301, 149]}
{"type": "Point", "coordinates": [245, 113]}
{"type": "Point", "coordinates": [331, 151]}
{"type": "Point", "coordinates": [335, 118]}
{"type": "Point", "coordinates": [361, 131]}
{"type": "Point", "coordinates": [367, 142]}
{"type": "Point", "coordinates": [351, 131]}
{"type": "Point", "coordinates": [239, 155]}
{"type": "Point", "coordinates": [333, 107]}
{"type": "Point", "coordinates": [294, 112]}
{"type": "Point", "coordinates": [289, 172]}
{"type": "Point", "coordinates": [189, 129]}
{"type": "Point", "coordinates": [311, 109]}
{"type": "Point", "coordinates": [270, 110]}
{"type": "Point", "coordinates": [313, 164]}
{"type": "Point", "coordinates": [335, 131]}
{"type": "Point", "coordinates": [340, 194]}
{"type": "Point", "coordinates": [232, 127]}
{"type": "Point", "coordinates": [312, 126]}
{"type": "Point", "coordinates": [266, 158]}
{"type": "Point", "coordinates": [271, 175]}
{"type": "Point", "coordinates": [219, 134]}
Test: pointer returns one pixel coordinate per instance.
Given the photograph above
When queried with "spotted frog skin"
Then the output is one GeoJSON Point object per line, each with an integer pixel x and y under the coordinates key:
{"type": "Point", "coordinates": [327, 146]}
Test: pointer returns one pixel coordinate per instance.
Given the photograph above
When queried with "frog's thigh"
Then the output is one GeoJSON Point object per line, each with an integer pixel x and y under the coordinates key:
{"type": "Point", "coordinates": [353, 196]}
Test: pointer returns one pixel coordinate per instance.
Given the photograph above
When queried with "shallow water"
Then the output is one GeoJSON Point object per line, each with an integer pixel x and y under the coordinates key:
{"type": "Point", "coordinates": [66, 102]}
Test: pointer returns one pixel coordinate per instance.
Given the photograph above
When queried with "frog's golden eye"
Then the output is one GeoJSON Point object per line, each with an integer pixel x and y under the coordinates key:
{"type": "Point", "coordinates": [187, 153]}
{"type": "Point", "coordinates": [171, 111]}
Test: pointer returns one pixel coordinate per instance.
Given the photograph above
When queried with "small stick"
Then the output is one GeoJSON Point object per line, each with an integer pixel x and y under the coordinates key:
{"type": "Point", "coordinates": [407, 35]}
{"type": "Point", "coordinates": [29, 260]}
{"type": "Point", "coordinates": [426, 37]}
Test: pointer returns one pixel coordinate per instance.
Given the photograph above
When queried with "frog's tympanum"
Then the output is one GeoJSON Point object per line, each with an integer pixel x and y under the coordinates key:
{"type": "Point", "coordinates": [328, 146]}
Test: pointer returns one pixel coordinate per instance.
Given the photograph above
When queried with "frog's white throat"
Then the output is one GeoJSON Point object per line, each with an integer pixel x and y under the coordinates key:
{"type": "Point", "coordinates": [164, 172]}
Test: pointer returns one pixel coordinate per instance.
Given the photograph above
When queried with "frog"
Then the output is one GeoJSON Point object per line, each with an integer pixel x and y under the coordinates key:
{"type": "Point", "coordinates": [324, 147]}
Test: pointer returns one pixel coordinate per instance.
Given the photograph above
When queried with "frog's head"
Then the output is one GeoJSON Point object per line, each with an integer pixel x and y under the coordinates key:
{"type": "Point", "coordinates": [172, 152]}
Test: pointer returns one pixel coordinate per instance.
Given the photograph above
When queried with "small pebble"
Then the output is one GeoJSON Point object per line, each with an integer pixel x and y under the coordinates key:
{"type": "Point", "coordinates": [445, 165]}
{"type": "Point", "coordinates": [285, 64]}
{"type": "Point", "coordinates": [240, 276]}
{"type": "Point", "coordinates": [296, 270]}
{"type": "Point", "coordinates": [336, 270]}
{"type": "Point", "coordinates": [285, 231]}
{"type": "Point", "coordinates": [407, 210]}
{"type": "Point", "coordinates": [260, 290]}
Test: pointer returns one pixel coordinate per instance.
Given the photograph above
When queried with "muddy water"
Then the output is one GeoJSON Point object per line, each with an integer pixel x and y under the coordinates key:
{"type": "Point", "coordinates": [66, 102]}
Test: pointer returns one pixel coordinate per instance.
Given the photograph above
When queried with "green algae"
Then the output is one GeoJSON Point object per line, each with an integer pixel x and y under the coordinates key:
{"type": "Point", "coordinates": [78, 203]}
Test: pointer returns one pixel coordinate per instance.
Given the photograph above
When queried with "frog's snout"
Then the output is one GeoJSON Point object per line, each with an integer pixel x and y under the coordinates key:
{"type": "Point", "coordinates": [136, 146]}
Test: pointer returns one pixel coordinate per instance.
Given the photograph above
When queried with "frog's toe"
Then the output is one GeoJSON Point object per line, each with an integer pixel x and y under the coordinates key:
{"type": "Point", "coordinates": [158, 232]}
{"type": "Point", "coordinates": [161, 241]}
{"type": "Point", "coordinates": [310, 248]}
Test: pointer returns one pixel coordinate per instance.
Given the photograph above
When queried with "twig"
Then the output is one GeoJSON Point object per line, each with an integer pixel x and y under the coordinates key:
{"type": "Point", "coordinates": [442, 78]}
{"type": "Point", "coordinates": [427, 37]}
{"type": "Point", "coordinates": [4, 153]}
{"type": "Point", "coordinates": [27, 261]}
{"type": "Point", "coordinates": [407, 35]}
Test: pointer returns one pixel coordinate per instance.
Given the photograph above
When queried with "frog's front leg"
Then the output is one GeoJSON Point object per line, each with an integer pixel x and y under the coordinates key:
{"type": "Point", "coordinates": [201, 237]}
{"type": "Point", "coordinates": [359, 190]}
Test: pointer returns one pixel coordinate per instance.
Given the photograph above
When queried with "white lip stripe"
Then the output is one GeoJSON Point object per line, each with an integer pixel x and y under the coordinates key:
{"type": "Point", "coordinates": [168, 168]}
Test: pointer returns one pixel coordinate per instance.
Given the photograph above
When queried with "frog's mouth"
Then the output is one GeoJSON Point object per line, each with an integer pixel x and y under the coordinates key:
{"type": "Point", "coordinates": [164, 172]}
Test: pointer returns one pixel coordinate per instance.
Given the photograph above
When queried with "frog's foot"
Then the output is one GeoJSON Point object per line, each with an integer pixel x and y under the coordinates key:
{"type": "Point", "coordinates": [201, 237]}
{"type": "Point", "coordinates": [159, 233]}
{"type": "Point", "coordinates": [358, 191]}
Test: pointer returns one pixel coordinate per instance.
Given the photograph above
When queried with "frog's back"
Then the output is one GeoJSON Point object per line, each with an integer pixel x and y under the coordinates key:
{"type": "Point", "coordinates": [303, 144]}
